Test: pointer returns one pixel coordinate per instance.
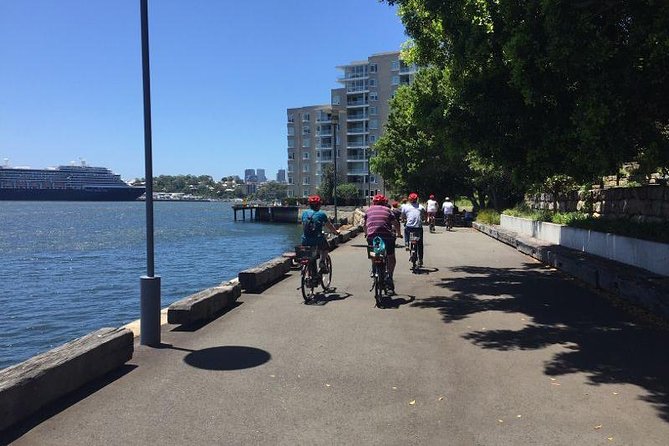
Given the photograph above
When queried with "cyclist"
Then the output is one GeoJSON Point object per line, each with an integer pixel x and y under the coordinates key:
{"type": "Point", "coordinates": [431, 211]}
{"type": "Point", "coordinates": [381, 222]}
{"type": "Point", "coordinates": [413, 213]}
{"type": "Point", "coordinates": [448, 207]}
{"type": "Point", "coordinates": [313, 221]}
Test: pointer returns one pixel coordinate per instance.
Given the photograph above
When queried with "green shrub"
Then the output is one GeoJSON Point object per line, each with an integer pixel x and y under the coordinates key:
{"type": "Point", "coordinates": [567, 218]}
{"type": "Point", "coordinates": [488, 217]}
{"type": "Point", "coordinates": [655, 232]}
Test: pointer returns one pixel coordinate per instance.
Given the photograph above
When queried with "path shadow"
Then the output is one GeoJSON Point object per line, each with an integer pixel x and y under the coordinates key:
{"type": "Point", "coordinates": [229, 357]}
{"type": "Point", "coordinates": [425, 270]}
{"type": "Point", "coordinates": [604, 342]}
{"type": "Point", "coordinates": [393, 303]}
{"type": "Point", "coordinates": [328, 296]}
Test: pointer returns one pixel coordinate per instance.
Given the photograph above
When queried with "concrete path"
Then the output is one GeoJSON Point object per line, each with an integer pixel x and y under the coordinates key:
{"type": "Point", "coordinates": [485, 347]}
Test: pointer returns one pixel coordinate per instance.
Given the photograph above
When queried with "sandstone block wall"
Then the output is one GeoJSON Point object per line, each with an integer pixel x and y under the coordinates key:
{"type": "Point", "coordinates": [644, 203]}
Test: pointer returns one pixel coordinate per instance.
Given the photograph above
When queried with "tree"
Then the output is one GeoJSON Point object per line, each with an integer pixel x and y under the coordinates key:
{"type": "Point", "coordinates": [545, 88]}
{"type": "Point", "coordinates": [327, 182]}
{"type": "Point", "coordinates": [271, 191]}
{"type": "Point", "coordinates": [348, 192]}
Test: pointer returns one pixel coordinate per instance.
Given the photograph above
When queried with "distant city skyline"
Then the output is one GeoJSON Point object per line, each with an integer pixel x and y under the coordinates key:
{"type": "Point", "coordinates": [71, 82]}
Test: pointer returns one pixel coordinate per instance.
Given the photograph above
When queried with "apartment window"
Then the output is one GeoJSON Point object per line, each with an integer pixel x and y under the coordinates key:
{"type": "Point", "coordinates": [306, 168]}
{"type": "Point", "coordinates": [290, 181]}
{"type": "Point", "coordinates": [373, 96]}
{"type": "Point", "coordinates": [372, 82]}
{"type": "Point", "coordinates": [373, 111]}
{"type": "Point", "coordinates": [291, 118]}
{"type": "Point", "coordinates": [372, 138]}
{"type": "Point", "coordinates": [291, 142]}
{"type": "Point", "coordinates": [336, 100]}
{"type": "Point", "coordinates": [373, 123]}
{"type": "Point", "coordinates": [372, 179]}
{"type": "Point", "coordinates": [306, 130]}
{"type": "Point", "coordinates": [306, 117]}
{"type": "Point", "coordinates": [305, 155]}
{"type": "Point", "coordinates": [372, 68]}
{"type": "Point", "coordinates": [290, 167]}
{"type": "Point", "coordinates": [396, 65]}
{"type": "Point", "coordinates": [396, 80]}
{"type": "Point", "coordinates": [291, 155]}
{"type": "Point", "coordinates": [306, 142]}
{"type": "Point", "coordinates": [305, 193]}
{"type": "Point", "coordinates": [290, 191]}
{"type": "Point", "coordinates": [291, 130]}
{"type": "Point", "coordinates": [306, 180]}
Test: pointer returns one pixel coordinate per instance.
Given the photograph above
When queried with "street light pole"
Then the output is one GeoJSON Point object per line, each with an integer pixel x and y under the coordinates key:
{"type": "Point", "coordinates": [149, 284]}
{"type": "Point", "coordinates": [335, 125]}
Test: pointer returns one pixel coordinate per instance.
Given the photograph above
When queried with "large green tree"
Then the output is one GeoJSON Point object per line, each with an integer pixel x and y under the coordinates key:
{"type": "Point", "coordinates": [542, 87]}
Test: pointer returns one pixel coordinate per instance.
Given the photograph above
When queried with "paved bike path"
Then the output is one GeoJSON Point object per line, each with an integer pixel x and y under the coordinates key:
{"type": "Point", "coordinates": [485, 347]}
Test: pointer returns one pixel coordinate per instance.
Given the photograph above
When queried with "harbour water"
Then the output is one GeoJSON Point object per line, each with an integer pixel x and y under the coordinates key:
{"type": "Point", "coordinates": [69, 268]}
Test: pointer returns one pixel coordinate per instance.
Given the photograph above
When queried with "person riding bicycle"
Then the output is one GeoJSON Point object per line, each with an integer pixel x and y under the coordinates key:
{"type": "Point", "coordinates": [380, 221]}
{"type": "Point", "coordinates": [413, 213]}
{"type": "Point", "coordinates": [448, 207]}
{"type": "Point", "coordinates": [313, 221]}
{"type": "Point", "coordinates": [432, 206]}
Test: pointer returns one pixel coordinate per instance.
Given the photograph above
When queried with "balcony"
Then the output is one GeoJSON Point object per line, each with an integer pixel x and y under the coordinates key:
{"type": "Point", "coordinates": [356, 158]}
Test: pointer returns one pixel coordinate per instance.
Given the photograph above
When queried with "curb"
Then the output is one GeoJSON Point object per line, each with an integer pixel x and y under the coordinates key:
{"type": "Point", "coordinates": [632, 284]}
{"type": "Point", "coordinates": [32, 384]}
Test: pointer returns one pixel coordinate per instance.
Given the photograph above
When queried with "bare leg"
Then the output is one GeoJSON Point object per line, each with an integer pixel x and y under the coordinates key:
{"type": "Point", "coordinates": [391, 264]}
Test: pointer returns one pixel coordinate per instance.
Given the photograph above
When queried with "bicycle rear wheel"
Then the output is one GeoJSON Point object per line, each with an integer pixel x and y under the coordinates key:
{"type": "Point", "coordinates": [379, 284]}
{"type": "Point", "coordinates": [413, 258]}
{"type": "Point", "coordinates": [306, 284]}
{"type": "Point", "coordinates": [326, 278]}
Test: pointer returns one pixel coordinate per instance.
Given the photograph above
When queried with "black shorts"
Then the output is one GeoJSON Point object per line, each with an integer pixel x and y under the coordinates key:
{"type": "Point", "coordinates": [389, 242]}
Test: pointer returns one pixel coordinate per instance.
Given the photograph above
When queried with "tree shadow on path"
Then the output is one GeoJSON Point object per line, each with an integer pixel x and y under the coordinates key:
{"type": "Point", "coordinates": [604, 342]}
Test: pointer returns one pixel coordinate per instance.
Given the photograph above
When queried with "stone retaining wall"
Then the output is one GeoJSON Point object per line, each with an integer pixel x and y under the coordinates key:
{"type": "Point", "coordinates": [644, 203]}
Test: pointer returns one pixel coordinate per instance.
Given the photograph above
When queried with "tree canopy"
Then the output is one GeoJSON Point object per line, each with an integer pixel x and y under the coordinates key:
{"type": "Point", "coordinates": [530, 89]}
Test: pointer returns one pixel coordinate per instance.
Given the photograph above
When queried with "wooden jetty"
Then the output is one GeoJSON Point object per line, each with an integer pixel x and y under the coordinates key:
{"type": "Point", "coordinates": [279, 214]}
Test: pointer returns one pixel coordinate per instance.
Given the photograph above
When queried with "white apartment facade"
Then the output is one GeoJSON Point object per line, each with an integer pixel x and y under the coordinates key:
{"type": "Point", "coordinates": [358, 111]}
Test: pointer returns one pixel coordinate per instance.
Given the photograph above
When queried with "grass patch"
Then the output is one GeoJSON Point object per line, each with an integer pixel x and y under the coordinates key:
{"type": "Point", "coordinates": [488, 217]}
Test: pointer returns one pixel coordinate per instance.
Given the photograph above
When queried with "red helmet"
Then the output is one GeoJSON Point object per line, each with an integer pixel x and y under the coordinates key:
{"type": "Point", "coordinates": [413, 196]}
{"type": "Point", "coordinates": [314, 199]}
{"type": "Point", "coordinates": [431, 196]}
{"type": "Point", "coordinates": [379, 199]}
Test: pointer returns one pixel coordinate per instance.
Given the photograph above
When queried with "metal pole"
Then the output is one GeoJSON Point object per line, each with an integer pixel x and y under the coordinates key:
{"type": "Point", "coordinates": [149, 284]}
{"type": "Point", "coordinates": [335, 129]}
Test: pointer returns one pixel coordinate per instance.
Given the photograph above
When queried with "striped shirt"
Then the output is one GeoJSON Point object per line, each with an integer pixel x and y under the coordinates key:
{"type": "Point", "coordinates": [379, 221]}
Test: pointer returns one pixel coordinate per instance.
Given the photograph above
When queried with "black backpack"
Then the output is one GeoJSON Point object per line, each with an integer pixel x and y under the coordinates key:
{"type": "Point", "coordinates": [309, 226]}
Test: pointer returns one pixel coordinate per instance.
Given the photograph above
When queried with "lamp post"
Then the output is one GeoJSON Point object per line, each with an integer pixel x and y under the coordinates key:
{"type": "Point", "coordinates": [149, 284]}
{"type": "Point", "coordinates": [335, 125]}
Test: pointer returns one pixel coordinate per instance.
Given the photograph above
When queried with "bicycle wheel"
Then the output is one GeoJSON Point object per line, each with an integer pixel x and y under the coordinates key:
{"type": "Point", "coordinates": [326, 278]}
{"type": "Point", "coordinates": [378, 285]}
{"type": "Point", "coordinates": [306, 284]}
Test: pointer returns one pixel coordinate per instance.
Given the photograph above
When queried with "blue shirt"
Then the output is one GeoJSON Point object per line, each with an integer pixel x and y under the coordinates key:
{"type": "Point", "coordinates": [319, 218]}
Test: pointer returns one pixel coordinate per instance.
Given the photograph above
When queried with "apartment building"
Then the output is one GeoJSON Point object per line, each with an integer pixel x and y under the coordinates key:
{"type": "Point", "coordinates": [358, 112]}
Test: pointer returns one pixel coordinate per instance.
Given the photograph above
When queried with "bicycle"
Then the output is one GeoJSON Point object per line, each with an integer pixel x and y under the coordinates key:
{"type": "Point", "coordinates": [430, 221]}
{"type": "Point", "coordinates": [379, 274]}
{"type": "Point", "coordinates": [413, 250]}
{"type": "Point", "coordinates": [311, 275]}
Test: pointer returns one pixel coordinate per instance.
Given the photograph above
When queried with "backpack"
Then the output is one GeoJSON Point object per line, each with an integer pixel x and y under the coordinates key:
{"type": "Point", "coordinates": [309, 226]}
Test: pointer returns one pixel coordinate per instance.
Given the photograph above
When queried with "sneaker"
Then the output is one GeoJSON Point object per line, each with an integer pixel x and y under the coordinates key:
{"type": "Point", "coordinates": [420, 263]}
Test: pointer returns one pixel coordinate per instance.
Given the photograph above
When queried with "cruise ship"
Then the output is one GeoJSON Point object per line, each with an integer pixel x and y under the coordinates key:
{"type": "Point", "coordinates": [65, 183]}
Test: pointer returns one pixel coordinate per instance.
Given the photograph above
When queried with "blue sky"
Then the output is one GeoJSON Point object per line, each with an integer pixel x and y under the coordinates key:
{"type": "Point", "coordinates": [223, 73]}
